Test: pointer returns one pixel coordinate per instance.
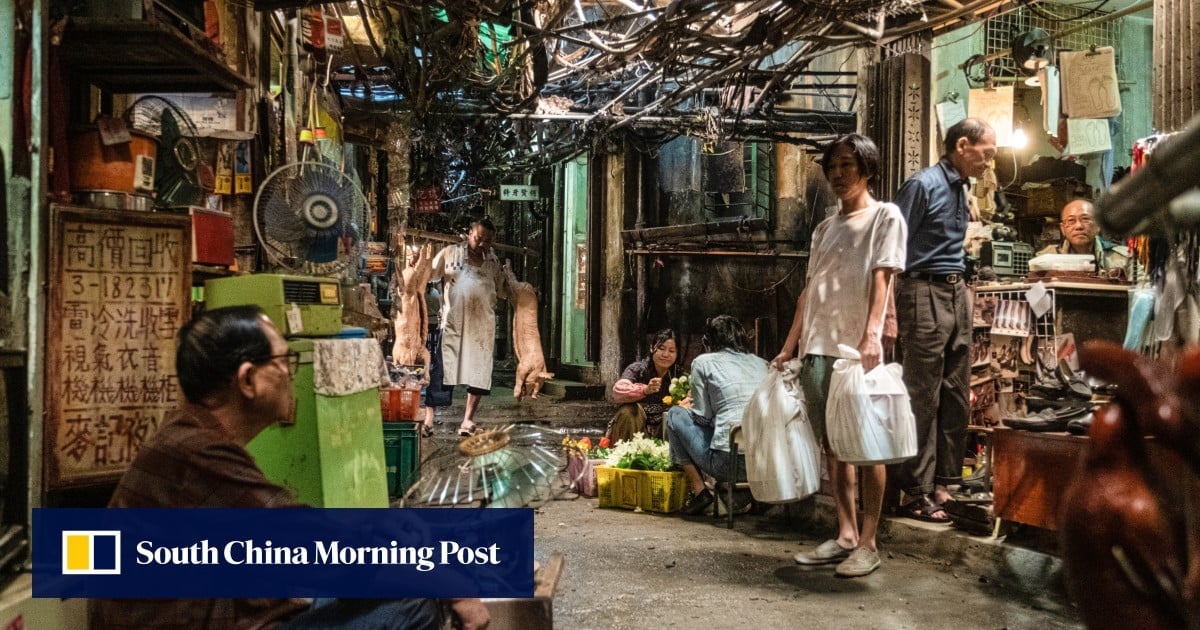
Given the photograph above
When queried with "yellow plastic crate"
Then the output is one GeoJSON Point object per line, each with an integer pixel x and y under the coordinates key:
{"type": "Point", "coordinates": [652, 491]}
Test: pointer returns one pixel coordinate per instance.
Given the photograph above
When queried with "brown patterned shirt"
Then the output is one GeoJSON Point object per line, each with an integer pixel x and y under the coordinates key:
{"type": "Point", "coordinates": [190, 462]}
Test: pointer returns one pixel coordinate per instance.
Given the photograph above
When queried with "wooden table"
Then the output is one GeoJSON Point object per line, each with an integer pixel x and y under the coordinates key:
{"type": "Point", "coordinates": [1031, 472]}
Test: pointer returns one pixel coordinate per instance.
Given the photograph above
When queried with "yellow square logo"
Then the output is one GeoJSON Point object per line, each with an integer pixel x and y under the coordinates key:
{"type": "Point", "coordinates": [91, 552]}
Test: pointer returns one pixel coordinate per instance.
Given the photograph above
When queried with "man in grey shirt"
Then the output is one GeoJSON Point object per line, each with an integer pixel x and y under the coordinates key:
{"type": "Point", "coordinates": [934, 316]}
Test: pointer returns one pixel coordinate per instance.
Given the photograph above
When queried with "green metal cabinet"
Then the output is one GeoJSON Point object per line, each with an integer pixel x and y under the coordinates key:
{"type": "Point", "coordinates": [333, 455]}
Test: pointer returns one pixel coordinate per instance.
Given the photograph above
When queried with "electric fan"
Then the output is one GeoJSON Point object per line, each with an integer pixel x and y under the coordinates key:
{"type": "Point", "coordinates": [181, 178]}
{"type": "Point", "coordinates": [1031, 50]}
{"type": "Point", "coordinates": [510, 466]}
{"type": "Point", "coordinates": [309, 218]}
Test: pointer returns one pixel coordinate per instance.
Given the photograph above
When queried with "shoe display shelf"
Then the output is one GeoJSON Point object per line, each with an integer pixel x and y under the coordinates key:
{"type": "Point", "coordinates": [1030, 470]}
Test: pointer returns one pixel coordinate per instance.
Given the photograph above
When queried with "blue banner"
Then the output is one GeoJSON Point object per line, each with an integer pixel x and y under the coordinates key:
{"type": "Point", "coordinates": [218, 553]}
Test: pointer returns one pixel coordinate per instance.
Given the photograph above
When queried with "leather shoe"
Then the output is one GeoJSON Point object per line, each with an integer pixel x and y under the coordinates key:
{"type": "Point", "coordinates": [698, 503]}
{"type": "Point", "coordinates": [1043, 420]}
{"type": "Point", "coordinates": [1080, 426]}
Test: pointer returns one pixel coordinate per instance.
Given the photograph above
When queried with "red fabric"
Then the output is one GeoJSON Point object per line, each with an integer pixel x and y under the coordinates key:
{"type": "Point", "coordinates": [212, 22]}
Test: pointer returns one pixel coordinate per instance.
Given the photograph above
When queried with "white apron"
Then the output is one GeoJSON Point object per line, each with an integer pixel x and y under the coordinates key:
{"type": "Point", "coordinates": [469, 315]}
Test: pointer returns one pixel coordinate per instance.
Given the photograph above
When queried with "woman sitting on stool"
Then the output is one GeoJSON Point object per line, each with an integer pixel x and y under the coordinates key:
{"type": "Point", "coordinates": [723, 379]}
{"type": "Point", "coordinates": [642, 387]}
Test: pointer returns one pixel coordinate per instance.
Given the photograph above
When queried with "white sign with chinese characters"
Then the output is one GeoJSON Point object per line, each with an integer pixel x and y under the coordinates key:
{"type": "Point", "coordinates": [518, 192]}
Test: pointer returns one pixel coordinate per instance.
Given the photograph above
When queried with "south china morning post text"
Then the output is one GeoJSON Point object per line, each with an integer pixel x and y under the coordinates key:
{"type": "Point", "coordinates": [334, 552]}
{"type": "Point", "coordinates": [361, 553]}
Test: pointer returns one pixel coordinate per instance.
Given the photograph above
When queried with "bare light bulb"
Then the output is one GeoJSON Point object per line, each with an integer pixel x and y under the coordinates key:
{"type": "Point", "coordinates": [1019, 139]}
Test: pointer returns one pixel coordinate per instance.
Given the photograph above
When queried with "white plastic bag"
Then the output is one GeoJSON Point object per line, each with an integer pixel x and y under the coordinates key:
{"type": "Point", "coordinates": [868, 417]}
{"type": "Point", "coordinates": [783, 461]}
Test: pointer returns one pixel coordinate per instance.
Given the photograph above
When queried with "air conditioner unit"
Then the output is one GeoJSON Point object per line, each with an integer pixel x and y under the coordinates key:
{"type": "Point", "coordinates": [299, 306]}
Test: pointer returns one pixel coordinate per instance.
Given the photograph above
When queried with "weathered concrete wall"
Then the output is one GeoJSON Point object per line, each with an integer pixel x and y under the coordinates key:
{"type": "Point", "coordinates": [801, 194]}
{"type": "Point", "coordinates": [684, 291]}
{"type": "Point", "coordinates": [760, 289]}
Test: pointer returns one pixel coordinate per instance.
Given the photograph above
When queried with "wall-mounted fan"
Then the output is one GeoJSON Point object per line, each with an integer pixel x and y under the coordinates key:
{"type": "Point", "coordinates": [1032, 50]}
{"type": "Point", "coordinates": [181, 177]}
{"type": "Point", "coordinates": [310, 218]}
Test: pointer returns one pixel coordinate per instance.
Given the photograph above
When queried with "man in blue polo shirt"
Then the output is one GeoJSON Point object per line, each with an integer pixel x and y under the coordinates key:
{"type": "Point", "coordinates": [934, 316]}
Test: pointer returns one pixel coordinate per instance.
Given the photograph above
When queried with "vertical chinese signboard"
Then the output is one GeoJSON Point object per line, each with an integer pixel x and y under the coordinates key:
{"type": "Point", "coordinates": [120, 289]}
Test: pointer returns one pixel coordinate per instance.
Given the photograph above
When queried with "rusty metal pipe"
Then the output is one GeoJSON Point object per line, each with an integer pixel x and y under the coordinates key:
{"type": "Point", "coordinates": [773, 253]}
{"type": "Point", "coordinates": [1135, 201]}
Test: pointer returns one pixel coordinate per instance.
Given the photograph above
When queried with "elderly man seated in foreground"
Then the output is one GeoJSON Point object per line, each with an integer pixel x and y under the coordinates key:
{"type": "Point", "coordinates": [236, 371]}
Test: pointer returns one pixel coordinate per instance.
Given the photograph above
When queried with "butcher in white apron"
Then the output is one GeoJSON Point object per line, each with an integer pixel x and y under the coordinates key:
{"type": "Point", "coordinates": [473, 280]}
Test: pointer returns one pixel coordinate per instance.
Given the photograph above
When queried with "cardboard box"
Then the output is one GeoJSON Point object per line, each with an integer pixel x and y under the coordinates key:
{"type": "Point", "coordinates": [212, 237]}
{"type": "Point", "coordinates": [1048, 201]}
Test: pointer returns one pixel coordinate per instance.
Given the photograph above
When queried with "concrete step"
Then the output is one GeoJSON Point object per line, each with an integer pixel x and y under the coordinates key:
{"type": "Point", "coordinates": [1023, 558]}
{"type": "Point", "coordinates": [572, 390]}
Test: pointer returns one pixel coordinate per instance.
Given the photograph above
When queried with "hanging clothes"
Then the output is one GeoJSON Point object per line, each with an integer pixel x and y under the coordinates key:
{"type": "Point", "coordinates": [1048, 76]}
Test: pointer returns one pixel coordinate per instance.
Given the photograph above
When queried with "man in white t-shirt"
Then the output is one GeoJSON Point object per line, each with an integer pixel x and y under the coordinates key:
{"type": "Point", "coordinates": [853, 257]}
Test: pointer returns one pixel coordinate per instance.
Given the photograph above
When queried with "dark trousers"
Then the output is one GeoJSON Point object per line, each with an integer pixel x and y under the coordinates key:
{"type": "Point", "coordinates": [436, 395]}
{"type": "Point", "coordinates": [373, 614]}
{"type": "Point", "coordinates": [935, 335]}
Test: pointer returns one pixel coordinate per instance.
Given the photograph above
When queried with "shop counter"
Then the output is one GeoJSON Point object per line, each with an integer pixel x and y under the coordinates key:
{"type": "Point", "coordinates": [1089, 311]}
{"type": "Point", "coordinates": [1033, 471]}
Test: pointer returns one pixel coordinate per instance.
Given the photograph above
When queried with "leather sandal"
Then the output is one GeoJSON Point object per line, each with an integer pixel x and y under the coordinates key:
{"type": "Point", "coordinates": [925, 509]}
{"type": "Point", "coordinates": [426, 431]}
{"type": "Point", "coordinates": [468, 431]}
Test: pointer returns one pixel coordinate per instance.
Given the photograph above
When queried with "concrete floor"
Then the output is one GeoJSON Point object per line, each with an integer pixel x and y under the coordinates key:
{"type": "Point", "coordinates": [640, 570]}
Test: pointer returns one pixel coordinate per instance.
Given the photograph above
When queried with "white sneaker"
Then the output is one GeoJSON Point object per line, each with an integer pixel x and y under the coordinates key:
{"type": "Point", "coordinates": [827, 552]}
{"type": "Point", "coordinates": [862, 561]}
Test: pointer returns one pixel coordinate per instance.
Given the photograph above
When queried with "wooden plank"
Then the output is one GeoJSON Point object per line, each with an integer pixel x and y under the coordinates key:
{"type": "Point", "coordinates": [546, 582]}
{"type": "Point", "coordinates": [1032, 472]}
{"type": "Point", "coordinates": [127, 56]}
{"type": "Point", "coordinates": [272, 5]}
{"type": "Point", "coordinates": [119, 291]}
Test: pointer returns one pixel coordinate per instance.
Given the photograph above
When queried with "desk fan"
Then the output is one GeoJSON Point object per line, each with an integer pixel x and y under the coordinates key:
{"type": "Point", "coordinates": [181, 177]}
{"type": "Point", "coordinates": [309, 218]}
{"type": "Point", "coordinates": [509, 466]}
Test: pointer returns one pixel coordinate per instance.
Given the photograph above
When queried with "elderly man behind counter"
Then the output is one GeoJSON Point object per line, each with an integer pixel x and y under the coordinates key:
{"type": "Point", "coordinates": [236, 371]}
{"type": "Point", "coordinates": [1081, 235]}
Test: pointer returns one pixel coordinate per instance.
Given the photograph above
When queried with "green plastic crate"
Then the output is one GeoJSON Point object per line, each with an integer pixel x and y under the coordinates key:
{"type": "Point", "coordinates": [402, 455]}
